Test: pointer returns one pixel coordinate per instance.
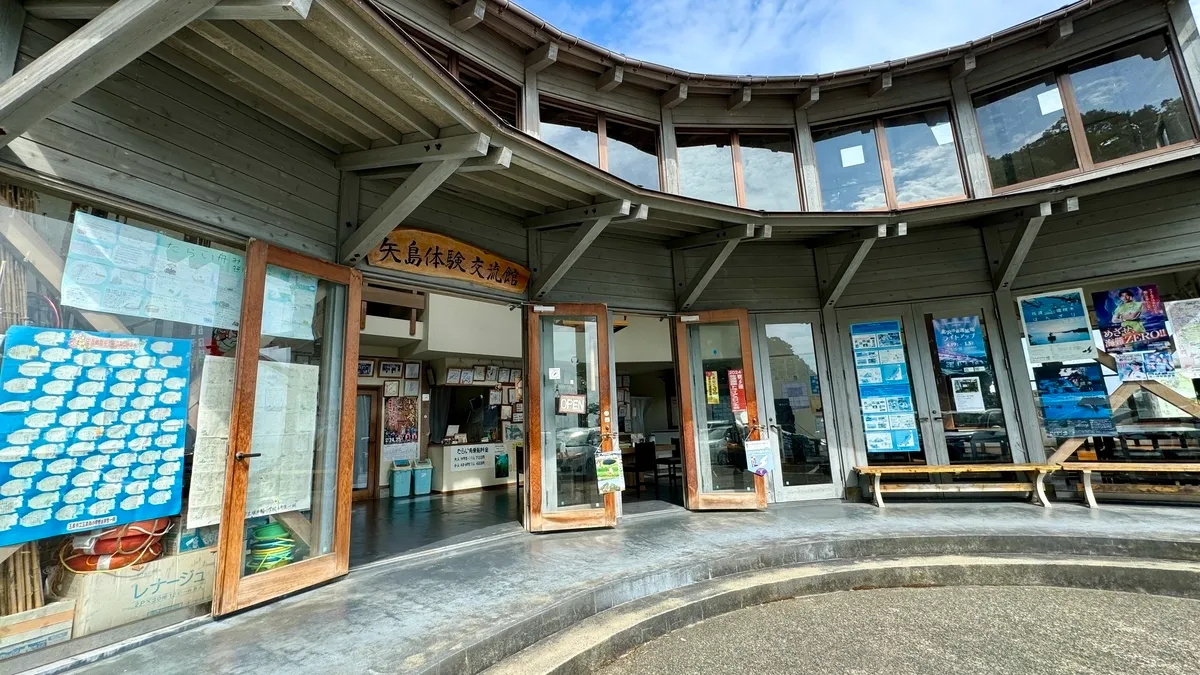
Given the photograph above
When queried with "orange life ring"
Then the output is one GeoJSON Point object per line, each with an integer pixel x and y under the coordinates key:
{"type": "Point", "coordinates": [128, 537]}
{"type": "Point", "coordinates": [82, 562]}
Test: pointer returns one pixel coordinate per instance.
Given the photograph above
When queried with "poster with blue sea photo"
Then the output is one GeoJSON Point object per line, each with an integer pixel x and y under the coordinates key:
{"type": "Point", "coordinates": [1074, 401]}
{"type": "Point", "coordinates": [960, 345]}
{"type": "Point", "coordinates": [889, 420]}
{"type": "Point", "coordinates": [93, 427]}
{"type": "Point", "coordinates": [1057, 326]}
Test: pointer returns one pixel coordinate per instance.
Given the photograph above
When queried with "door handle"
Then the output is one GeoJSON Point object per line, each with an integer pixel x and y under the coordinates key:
{"type": "Point", "coordinates": [246, 455]}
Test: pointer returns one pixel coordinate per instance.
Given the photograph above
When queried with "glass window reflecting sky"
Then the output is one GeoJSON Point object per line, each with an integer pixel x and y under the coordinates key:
{"type": "Point", "coordinates": [769, 170]}
{"type": "Point", "coordinates": [848, 167]}
{"type": "Point", "coordinates": [923, 157]}
{"type": "Point", "coordinates": [633, 153]}
{"type": "Point", "coordinates": [575, 133]}
{"type": "Point", "coordinates": [1025, 133]}
{"type": "Point", "coordinates": [706, 167]}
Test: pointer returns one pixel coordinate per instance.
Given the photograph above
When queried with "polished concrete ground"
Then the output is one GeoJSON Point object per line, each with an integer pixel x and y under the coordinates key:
{"type": "Point", "coordinates": [906, 631]}
{"type": "Point", "coordinates": [403, 616]}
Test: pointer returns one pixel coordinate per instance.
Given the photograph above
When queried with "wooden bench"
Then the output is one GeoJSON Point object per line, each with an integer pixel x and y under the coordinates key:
{"type": "Point", "coordinates": [1035, 486]}
{"type": "Point", "coordinates": [1089, 490]}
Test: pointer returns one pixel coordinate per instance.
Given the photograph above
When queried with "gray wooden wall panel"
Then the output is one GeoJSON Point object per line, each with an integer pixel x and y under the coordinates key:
{"type": "Point", "coordinates": [625, 273]}
{"type": "Point", "coordinates": [482, 46]}
{"type": "Point", "coordinates": [576, 85]}
{"type": "Point", "coordinates": [850, 103]}
{"type": "Point", "coordinates": [925, 264]}
{"type": "Point", "coordinates": [1091, 32]}
{"type": "Point", "coordinates": [1131, 231]}
{"type": "Point", "coordinates": [455, 217]}
{"type": "Point", "coordinates": [769, 111]}
{"type": "Point", "coordinates": [760, 277]}
{"type": "Point", "coordinates": [155, 135]}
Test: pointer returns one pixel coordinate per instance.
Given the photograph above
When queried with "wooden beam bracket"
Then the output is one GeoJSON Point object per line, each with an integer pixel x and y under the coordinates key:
{"type": "Point", "coordinates": [1019, 247]}
{"type": "Point", "coordinates": [835, 287]}
{"type": "Point", "coordinates": [674, 96]}
{"type": "Point", "coordinates": [439, 149]}
{"type": "Point", "coordinates": [963, 66]}
{"type": "Point", "coordinates": [734, 232]}
{"type": "Point", "coordinates": [1060, 31]}
{"type": "Point", "coordinates": [398, 206]}
{"type": "Point", "coordinates": [468, 15]}
{"type": "Point", "coordinates": [610, 79]}
{"type": "Point", "coordinates": [688, 296]}
{"type": "Point", "coordinates": [879, 85]}
{"type": "Point", "coordinates": [614, 209]}
{"type": "Point", "coordinates": [567, 257]}
{"type": "Point", "coordinates": [808, 98]}
{"type": "Point", "coordinates": [738, 99]}
{"type": "Point", "coordinates": [541, 58]}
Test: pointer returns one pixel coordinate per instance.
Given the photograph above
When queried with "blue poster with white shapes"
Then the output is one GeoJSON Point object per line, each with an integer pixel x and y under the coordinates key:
{"type": "Point", "coordinates": [92, 430]}
{"type": "Point", "coordinates": [884, 392]}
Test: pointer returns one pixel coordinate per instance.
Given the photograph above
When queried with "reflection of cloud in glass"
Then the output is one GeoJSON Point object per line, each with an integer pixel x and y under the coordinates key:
{"type": "Point", "coordinates": [923, 170]}
{"type": "Point", "coordinates": [1010, 123]}
{"type": "Point", "coordinates": [770, 179]}
{"type": "Point", "coordinates": [706, 172]}
{"type": "Point", "coordinates": [573, 141]}
{"type": "Point", "coordinates": [798, 336]}
{"type": "Point", "coordinates": [849, 188]}
{"type": "Point", "coordinates": [630, 163]}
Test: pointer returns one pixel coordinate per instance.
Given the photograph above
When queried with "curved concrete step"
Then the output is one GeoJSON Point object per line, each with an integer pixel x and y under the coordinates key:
{"type": "Point", "coordinates": [592, 642]}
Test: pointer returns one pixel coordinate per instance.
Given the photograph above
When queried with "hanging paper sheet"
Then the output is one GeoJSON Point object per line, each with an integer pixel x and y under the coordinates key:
{"type": "Point", "coordinates": [737, 390]}
{"type": "Point", "coordinates": [884, 391]}
{"type": "Point", "coordinates": [712, 393]}
{"type": "Point", "coordinates": [1131, 319]}
{"type": "Point", "coordinates": [1074, 401]}
{"type": "Point", "coordinates": [94, 427]}
{"type": "Point", "coordinates": [609, 475]}
{"type": "Point", "coordinates": [758, 457]}
{"type": "Point", "coordinates": [1057, 327]}
{"type": "Point", "coordinates": [968, 394]}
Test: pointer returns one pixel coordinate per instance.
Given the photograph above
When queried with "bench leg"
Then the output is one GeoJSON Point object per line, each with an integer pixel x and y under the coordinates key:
{"type": "Point", "coordinates": [877, 494]}
{"type": "Point", "coordinates": [1087, 489]}
{"type": "Point", "coordinates": [1039, 486]}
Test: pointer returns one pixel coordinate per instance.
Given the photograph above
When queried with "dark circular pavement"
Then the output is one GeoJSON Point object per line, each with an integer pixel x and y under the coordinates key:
{"type": "Point", "coordinates": [965, 630]}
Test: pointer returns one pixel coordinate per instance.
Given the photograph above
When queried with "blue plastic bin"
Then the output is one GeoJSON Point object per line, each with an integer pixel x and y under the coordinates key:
{"type": "Point", "coordinates": [422, 477]}
{"type": "Point", "coordinates": [402, 471]}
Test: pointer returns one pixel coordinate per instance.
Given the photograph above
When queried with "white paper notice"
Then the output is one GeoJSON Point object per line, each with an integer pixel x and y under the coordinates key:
{"type": "Point", "coordinates": [852, 156]}
{"type": "Point", "coordinates": [968, 394]}
{"type": "Point", "coordinates": [1050, 101]}
{"type": "Point", "coordinates": [942, 133]}
{"type": "Point", "coordinates": [289, 303]}
{"type": "Point", "coordinates": [285, 424]}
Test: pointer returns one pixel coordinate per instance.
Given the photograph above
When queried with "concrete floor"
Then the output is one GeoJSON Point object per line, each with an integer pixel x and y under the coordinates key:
{"type": "Point", "coordinates": [405, 615]}
{"type": "Point", "coordinates": [966, 631]}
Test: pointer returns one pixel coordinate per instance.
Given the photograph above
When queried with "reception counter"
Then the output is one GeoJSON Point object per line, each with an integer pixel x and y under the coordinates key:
{"type": "Point", "coordinates": [472, 466]}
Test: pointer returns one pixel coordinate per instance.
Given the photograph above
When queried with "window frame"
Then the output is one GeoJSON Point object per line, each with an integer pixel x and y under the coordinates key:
{"type": "Point", "coordinates": [885, 157]}
{"type": "Point", "coordinates": [602, 119]}
{"type": "Point", "coordinates": [1066, 90]}
{"type": "Point", "coordinates": [734, 136]}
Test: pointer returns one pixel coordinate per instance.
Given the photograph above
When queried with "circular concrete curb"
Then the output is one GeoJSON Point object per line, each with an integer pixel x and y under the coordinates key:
{"type": "Point", "coordinates": [569, 611]}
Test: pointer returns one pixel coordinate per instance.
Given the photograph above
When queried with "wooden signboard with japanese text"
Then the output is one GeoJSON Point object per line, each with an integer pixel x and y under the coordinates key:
{"type": "Point", "coordinates": [436, 255]}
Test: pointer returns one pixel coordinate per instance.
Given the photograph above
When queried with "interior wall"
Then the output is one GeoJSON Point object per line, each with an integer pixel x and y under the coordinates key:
{"type": "Point", "coordinates": [462, 326]}
{"type": "Point", "coordinates": [647, 339]}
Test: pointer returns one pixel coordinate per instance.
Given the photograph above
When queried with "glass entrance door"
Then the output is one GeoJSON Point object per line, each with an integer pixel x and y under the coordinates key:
{"type": "Point", "coordinates": [791, 381]}
{"type": "Point", "coordinates": [287, 444]}
{"type": "Point", "coordinates": [719, 406]}
{"type": "Point", "coordinates": [929, 391]}
{"type": "Point", "coordinates": [571, 420]}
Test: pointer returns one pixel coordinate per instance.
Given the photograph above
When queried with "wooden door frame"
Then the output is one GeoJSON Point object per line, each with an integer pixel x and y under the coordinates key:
{"type": "Point", "coordinates": [372, 489]}
{"type": "Point", "coordinates": [696, 500]}
{"type": "Point", "coordinates": [576, 518]}
{"type": "Point", "coordinates": [232, 591]}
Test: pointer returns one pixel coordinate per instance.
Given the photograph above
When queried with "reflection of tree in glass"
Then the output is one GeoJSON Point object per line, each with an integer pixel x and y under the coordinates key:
{"type": "Point", "coordinates": [1118, 134]}
{"type": "Point", "coordinates": [1050, 153]}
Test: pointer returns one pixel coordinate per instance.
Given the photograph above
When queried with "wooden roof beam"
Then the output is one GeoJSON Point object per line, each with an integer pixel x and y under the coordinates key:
{"type": "Point", "coordinates": [455, 147]}
{"type": "Point", "coordinates": [962, 67]}
{"type": "Point", "coordinates": [541, 58]}
{"type": "Point", "coordinates": [738, 99]}
{"type": "Point", "coordinates": [396, 208]}
{"type": "Point", "coordinates": [1059, 32]}
{"type": "Point", "coordinates": [228, 10]}
{"type": "Point", "coordinates": [614, 209]}
{"type": "Point", "coordinates": [496, 159]}
{"type": "Point", "coordinates": [836, 286]}
{"type": "Point", "coordinates": [688, 296]}
{"type": "Point", "coordinates": [712, 237]}
{"type": "Point", "coordinates": [674, 96]}
{"type": "Point", "coordinates": [610, 79]}
{"type": "Point", "coordinates": [12, 23]}
{"type": "Point", "coordinates": [808, 98]}
{"type": "Point", "coordinates": [468, 15]}
{"type": "Point", "coordinates": [636, 215]}
{"type": "Point", "coordinates": [879, 85]}
{"type": "Point", "coordinates": [571, 252]}
{"type": "Point", "coordinates": [101, 47]}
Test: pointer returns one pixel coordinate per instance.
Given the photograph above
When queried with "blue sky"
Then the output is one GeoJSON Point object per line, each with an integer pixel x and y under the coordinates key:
{"type": "Point", "coordinates": [781, 37]}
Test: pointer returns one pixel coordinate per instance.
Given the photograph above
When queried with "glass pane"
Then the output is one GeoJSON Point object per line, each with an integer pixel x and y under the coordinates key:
{"type": "Point", "coordinates": [968, 391]}
{"type": "Point", "coordinates": [575, 133]}
{"type": "Point", "coordinates": [633, 153]}
{"type": "Point", "coordinates": [291, 497]}
{"type": "Point", "coordinates": [718, 380]}
{"type": "Point", "coordinates": [769, 169]}
{"type": "Point", "coordinates": [362, 441]}
{"type": "Point", "coordinates": [1025, 133]}
{"type": "Point", "coordinates": [848, 168]}
{"type": "Point", "coordinates": [922, 153]}
{"type": "Point", "coordinates": [706, 167]}
{"type": "Point", "coordinates": [1130, 102]}
{"type": "Point", "coordinates": [798, 409]}
{"type": "Point", "coordinates": [499, 96]}
{"type": "Point", "coordinates": [570, 411]}
{"type": "Point", "coordinates": [885, 393]}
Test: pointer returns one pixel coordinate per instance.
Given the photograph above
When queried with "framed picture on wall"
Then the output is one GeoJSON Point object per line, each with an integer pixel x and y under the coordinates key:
{"type": "Point", "coordinates": [503, 374]}
{"type": "Point", "coordinates": [518, 417]}
{"type": "Point", "coordinates": [453, 375]}
{"type": "Point", "coordinates": [391, 388]}
{"type": "Point", "coordinates": [366, 367]}
{"type": "Point", "coordinates": [495, 397]}
{"type": "Point", "coordinates": [480, 373]}
{"type": "Point", "coordinates": [506, 412]}
{"type": "Point", "coordinates": [468, 376]}
{"type": "Point", "coordinates": [412, 387]}
{"type": "Point", "coordinates": [492, 374]}
{"type": "Point", "coordinates": [391, 369]}
{"type": "Point", "coordinates": [515, 376]}
{"type": "Point", "coordinates": [412, 371]}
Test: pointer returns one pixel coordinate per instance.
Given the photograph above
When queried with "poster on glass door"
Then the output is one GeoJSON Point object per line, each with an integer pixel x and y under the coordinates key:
{"type": "Point", "coordinates": [961, 347]}
{"type": "Point", "coordinates": [889, 421]}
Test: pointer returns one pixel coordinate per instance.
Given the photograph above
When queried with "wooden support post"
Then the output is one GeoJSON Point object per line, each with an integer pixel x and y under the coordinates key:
{"type": "Point", "coordinates": [968, 138]}
{"type": "Point", "coordinates": [738, 99]}
{"type": "Point", "coordinates": [1183, 26]}
{"type": "Point", "coordinates": [98, 49]}
{"type": "Point", "coordinates": [610, 79]}
{"type": "Point", "coordinates": [810, 181]}
{"type": "Point", "coordinates": [468, 15]}
{"type": "Point", "coordinates": [670, 152]}
{"type": "Point", "coordinates": [535, 62]}
{"type": "Point", "coordinates": [708, 269]}
{"type": "Point", "coordinates": [12, 22]}
{"type": "Point", "coordinates": [1019, 247]}
{"type": "Point", "coordinates": [566, 258]}
{"type": "Point", "coordinates": [396, 208]}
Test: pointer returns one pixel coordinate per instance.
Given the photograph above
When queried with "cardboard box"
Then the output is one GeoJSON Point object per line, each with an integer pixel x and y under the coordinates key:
{"type": "Point", "coordinates": [36, 628]}
{"type": "Point", "coordinates": [108, 599]}
{"type": "Point", "coordinates": [180, 540]}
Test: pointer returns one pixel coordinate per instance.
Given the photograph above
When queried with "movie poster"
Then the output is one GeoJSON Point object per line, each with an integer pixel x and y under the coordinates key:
{"type": "Point", "coordinates": [1057, 326]}
{"type": "Point", "coordinates": [1074, 401]}
{"type": "Point", "coordinates": [1131, 319]}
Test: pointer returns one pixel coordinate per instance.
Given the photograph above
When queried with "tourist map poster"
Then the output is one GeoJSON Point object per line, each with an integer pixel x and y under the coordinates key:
{"type": "Point", "coordinates": [123, 269]}
{"type": "Point", "coordinates": [889, 421]}
{"type": "Point", "coordinates": [1131, 319]}
{"type": "Point", "coordinates": [1074, 401]}
{"type": "Point", "coordinates": [285, 424]}
{"type": "Point", "coordinates": [1057, 327]}
{"type": "Point", "coordinates": [94, 430]}
{"type": "Point", "coordinates": [1184, 316]}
